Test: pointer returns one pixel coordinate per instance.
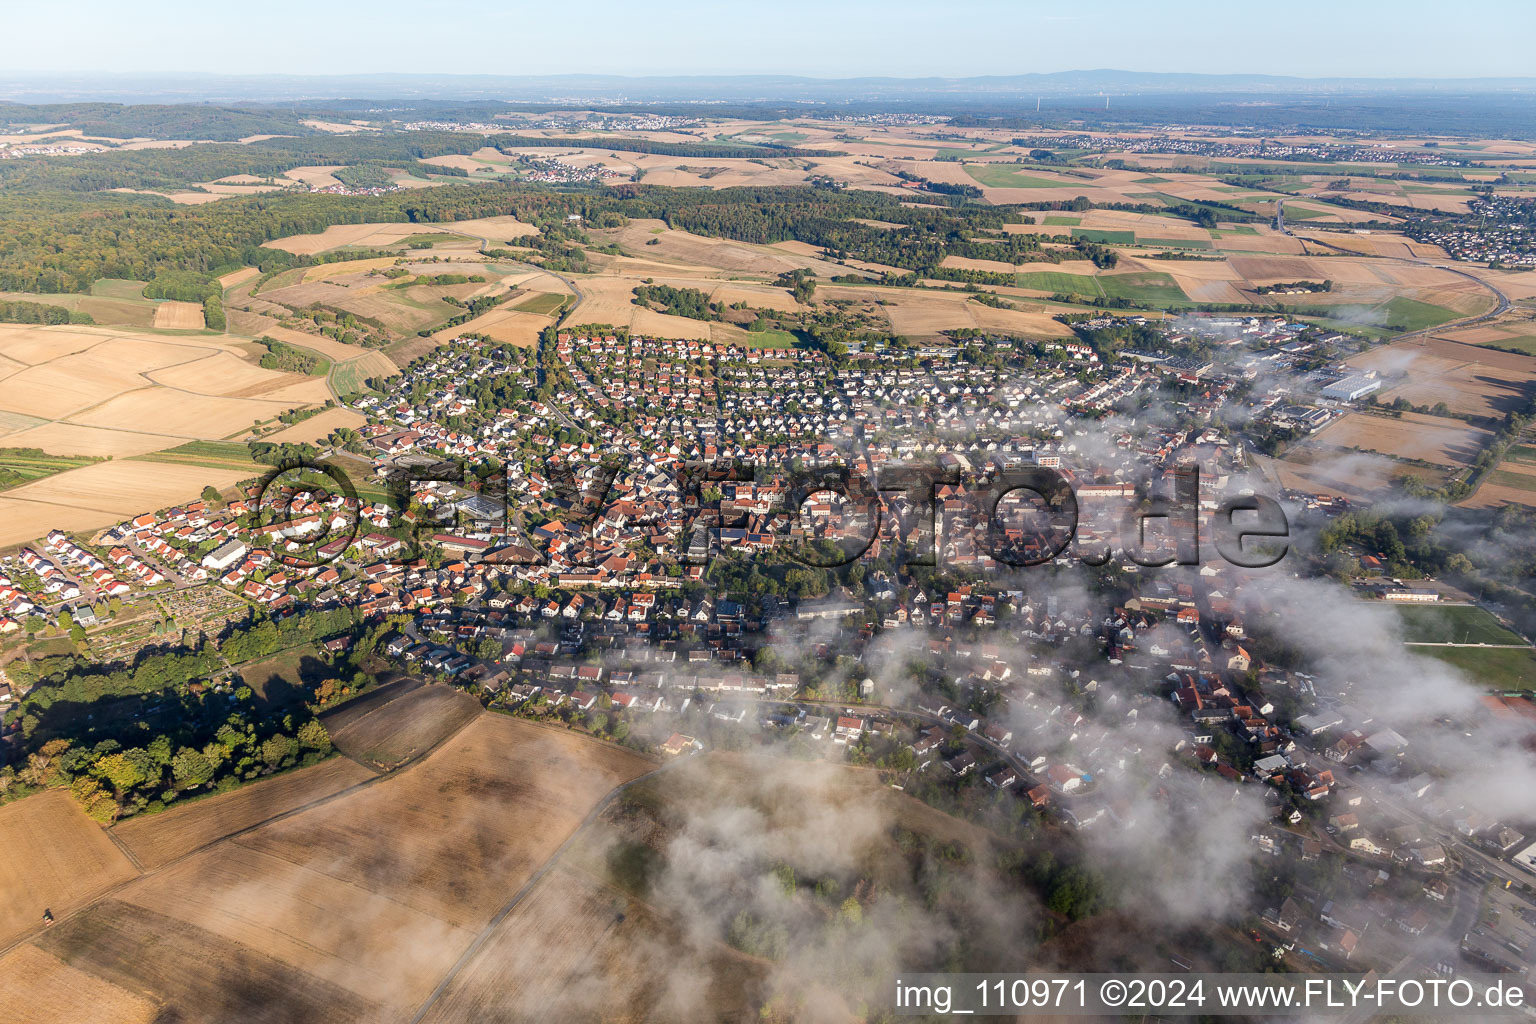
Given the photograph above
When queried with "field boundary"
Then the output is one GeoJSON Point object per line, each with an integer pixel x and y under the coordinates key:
{"type": "Point", "coordinates": [544, 869]}
{"type": "Point", "coordinates": [281, 816]}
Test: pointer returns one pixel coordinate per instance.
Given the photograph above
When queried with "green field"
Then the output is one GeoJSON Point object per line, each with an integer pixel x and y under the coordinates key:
{"type": "Point", "coordinates": [1413, 315]}
{"type": "Point", "coordinates": [348, 378]}
{"type": "Point", "coordinates": [283, 280]}
{"type": "Point", "coordinates": [1154, 180]}
{"type": "Point", "coordinates": [1347, 326]}
{"type": "Point", "coordinates": [770, 339]}
{"type": "Point", "coordinates": [23, 465]}
{"type": "Point", "coordinates": [1105, 237]}
{"type": "Point", "coordinates": [118, 288]}
{"type": "Point", "coordinates": [544, 304]}
{"type": "Point", "coordinates": [1148, 288]}
{"type": "Point", "coordinates": [1175, 243]}
{"type": "Point", "coordinates": [1522, 453]}
{"type": "Point", "coordinates": [1521, 343]}
{"type": "Point", "coordinates": [1010, 176]}
{"type": "Point", "coordinates": [431, 238]}
{"type": "Point", "coordinates": [1053, 281]}
{"type": "Point", "coordinates": [1453, 623]}
{"type": "Point", "coordinates": [205, 454]}
{"type": "Point", "coordinates": [103, 309]}
{"type": "Point", "coordinates": [1495, 668]}
{"type": "Point", "coordinates": [1059, 221]}
{"type": "Point", "coordinates": [1434, 190]}
{"type": "Point", "coordinates": [1514, 481]}
{"type": "Point", "coordinates": [1294, 212]}
{"type": "Point", "coordinates": [1235, 229]}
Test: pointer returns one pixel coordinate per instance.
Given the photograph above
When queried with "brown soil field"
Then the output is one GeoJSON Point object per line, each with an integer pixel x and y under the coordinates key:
{"type": "Point", "coordinates": [1353, 475]}
{"type": "Point", "coordinates": [157, 839]}
{"type": "Point", "coordinates": [1378, 244]}
{"type": "Point", "coordinates": [600, 955]}
{"type": "Point", "coordinates": [1494, 495]}
{"type": "Point", "coordinates": [318, 925]}
{"type": "Point", "coordinates": [604, 951]}
{"type": "Point", "coordinates": [1472, 380]}
{"type": "Point", "coordinates": [346, 911]}
{"type": "Point", "coordinates": [52, 857]}
{"type": "Point", "coordinates": [39, 988]}
{"type": "Point", "coordinates": [112, 392]}
{"type": "Point", "coordinates": [181, 316]}
{"type": "Point", "coordinates": [610, 300]}
{"type": "Point", "coordinates": [183, 414]}
{"type": "Point", "coordinates": [403, 728]}
{"type": "Point", "coordinates": [1260, 270]}
{"type": "Point", "coordinates": [224, 373]}
{"type": "Point", "coordinates": [153, 955]}
{"type": "Point", "coordinates": [457, 833]}
{"type": "Point", "coordinates": [1266, 241]}
{"type": "Point", "coordinates": [1430, 438]}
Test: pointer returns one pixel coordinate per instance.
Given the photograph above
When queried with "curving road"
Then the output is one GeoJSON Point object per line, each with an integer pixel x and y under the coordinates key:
{"type": "Point", "coordinates": [1503, 302]}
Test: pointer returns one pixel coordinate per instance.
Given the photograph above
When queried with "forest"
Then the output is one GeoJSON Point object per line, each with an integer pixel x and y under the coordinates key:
{"type": "Point", "coordinates": [63, 242]}
{"type": "Point", "coordinates": [179, 168]}
{"type": "Point", "coordinates": [724, 151]}
{"type": "Point", "coordinates": [159, 121]}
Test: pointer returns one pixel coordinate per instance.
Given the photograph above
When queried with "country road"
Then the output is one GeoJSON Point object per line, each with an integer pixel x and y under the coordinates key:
{"type": "Point", "coordinates": [1503, 302]}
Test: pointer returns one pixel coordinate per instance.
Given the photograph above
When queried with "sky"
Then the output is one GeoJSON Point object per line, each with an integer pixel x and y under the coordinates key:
{"type": "Point", "coordinates": [824, 38]}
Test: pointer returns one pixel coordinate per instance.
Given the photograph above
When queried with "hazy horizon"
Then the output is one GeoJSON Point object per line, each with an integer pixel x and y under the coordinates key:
{"type": "Point", "coordinates": [855, 39]}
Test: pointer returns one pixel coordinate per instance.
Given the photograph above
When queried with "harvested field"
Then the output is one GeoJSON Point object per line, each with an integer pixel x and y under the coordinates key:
{"type": "Point", "coordinates": [1468, 379]}
{"type": "Point", "coordinates": [319, 425]}
{"type": "Point", "coordinates": [179, 316]}
{"type": "Point", "coordinates": [708, 254]}
{"type": "Point", "coordinates": [152, 955]}
{"type": "Point", "coordinates": [101, 494]}
{"type": "Point", "coordinates": [502, 324]}
{"type": "Point", "coordinates": [330, 270]}
{"type": "Point", "coordinates": [39, 988]}
{"type": "Point", "coordinates": [55, 858]}
{"type": "Point", "coordinates": [454, 835]}
{"type": "Point", "coordinates": [965, 263]}
{"type": "Point", "coordinates": [298, 914]}
{"type": "Point", "coordinates": [79, 440]}
{"type": "Point", "coordinates": [157, 839]}
{"type": "Point", "coordinates": [102, 391]}
{"type": "Point", "coordinates": [1413, 436]}
{"type": "Point", "coordinates": [347, 911]}
{"type": "Point", "coordinates": [238, 277]}
{"type": "Point", "coordinates": [600, 956]}
{"type": "Point", "coordinates": [492, 229]}
{"type": "Point", "coordinates": [403, 727]}
{"type": "Point", "coordinates": [338, 235]}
